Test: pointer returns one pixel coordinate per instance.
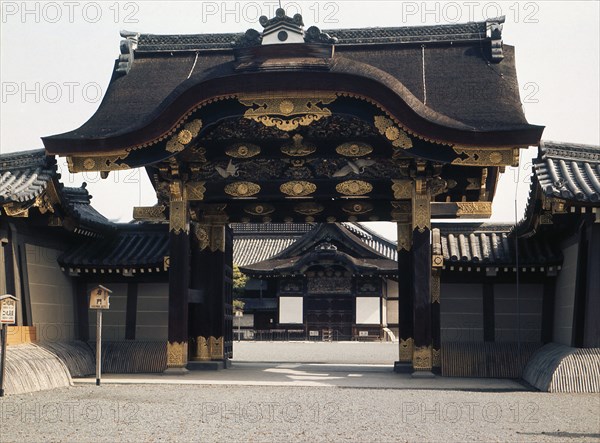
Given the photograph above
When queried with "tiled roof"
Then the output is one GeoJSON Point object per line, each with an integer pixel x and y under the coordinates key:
{"type": "Point", "coordinates": [407, 34]}
{"type": "Point", "coordinates": [25, 175]}
{"type": "Point", "coordinates": [374, 240]}
{"type": "Point", "coordinates": [131, 247]}
{"type": "Point", "coordinates": [569, 171]}
{"type": "Point", "coordinates": [253, 243]}
{"type": "Point", "coordinates": [77, 202]}
{"type": "Point", "coordinates": [481, 245]}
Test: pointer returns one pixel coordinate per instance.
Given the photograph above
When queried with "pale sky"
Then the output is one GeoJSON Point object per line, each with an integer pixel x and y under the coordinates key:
{"type": "Point", "coordinates": [57, 58]}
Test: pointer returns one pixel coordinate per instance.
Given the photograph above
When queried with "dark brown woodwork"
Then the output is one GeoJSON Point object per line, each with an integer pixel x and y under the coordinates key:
{"type": "Point", "coordinates": [82, 308]}
{"type": "Point", "coordinates": [179, 277]}
{"type": "Point", "coordinates": [405, 296]}
{"type": "Point", "coordinates": [131, 313]}
{"type": "Point", "coordinates": [421, 286]}
{"type": "Point", "coordinates": [489, 328]}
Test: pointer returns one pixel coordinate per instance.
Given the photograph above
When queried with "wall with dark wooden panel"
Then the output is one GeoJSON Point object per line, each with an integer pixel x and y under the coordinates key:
{"type": "Point", "coordinates": [51, 295]}
{"type": "Point", "coordinates": [518, 312]}
{"type": "Point", "coordinates": [461, 312]}
{"type": "Point", "coordinates": [565, 293]}
{"type": "Point", "coordinates": [152, 311]}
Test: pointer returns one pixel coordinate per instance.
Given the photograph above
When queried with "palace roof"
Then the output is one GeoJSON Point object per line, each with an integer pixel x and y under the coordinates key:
{"type": "Point", "coordinates": [484, 245]}
{"type": "Point", "coordinates": [25, 175]}
{"type": "Point", "coordinates": [569, 171]}
{"type": "Point", "coordinates": [454, 82]}
{"type": "Point", "coordinates": [131, 248]}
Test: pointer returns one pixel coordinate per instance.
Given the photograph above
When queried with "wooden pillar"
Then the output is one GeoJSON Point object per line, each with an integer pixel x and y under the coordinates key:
{"type": "Point", "coordinates": [548, 309]}
{"type": "Point", "coordinates": [405, 296]}
{"type": "Point", "coordinates": [211, 266]}
{"type": "Point", "coordinates": [421, 276]}
{"type": "Point", "coordinates": [179, 276]}
{"type": "Point", "coordinates": [436, 326]}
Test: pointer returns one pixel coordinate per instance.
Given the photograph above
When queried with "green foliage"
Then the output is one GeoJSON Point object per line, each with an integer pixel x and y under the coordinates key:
{"type": "Point", "coordinates": [239, 282]}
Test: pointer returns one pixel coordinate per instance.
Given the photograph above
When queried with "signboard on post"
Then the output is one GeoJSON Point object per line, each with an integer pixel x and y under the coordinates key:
{"type": "Point", "coordinates": [8, 315]}
{"type": "Point", "coordinates": [99, 300]}
{"type": "Point", "coordinates": [8, 309]}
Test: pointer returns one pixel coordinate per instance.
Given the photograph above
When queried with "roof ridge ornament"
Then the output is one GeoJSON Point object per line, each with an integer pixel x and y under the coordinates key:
{"type": "Point", "coordinates": [494, 33]}
{"type": "Point", "coordinates": [128, 47]}
{"type": "Point", "coordinates": [283, 29]}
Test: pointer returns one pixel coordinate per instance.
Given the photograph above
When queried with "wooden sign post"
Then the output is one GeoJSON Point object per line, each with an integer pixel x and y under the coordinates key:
{"type": "Point", "coordinates": [8, 316]}
{"type": "Point", "coordinates": [99, 300]}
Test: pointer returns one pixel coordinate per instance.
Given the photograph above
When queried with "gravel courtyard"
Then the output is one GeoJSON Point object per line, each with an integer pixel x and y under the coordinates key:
{"type": "Point", "coordinates": [268, 401]}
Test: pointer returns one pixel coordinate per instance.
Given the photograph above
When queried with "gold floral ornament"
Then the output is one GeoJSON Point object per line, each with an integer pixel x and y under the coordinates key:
{"type": "Point", "coordinates": [298, 188]}
{"type": "Point", "coordinates": [309, 208]}
{"type": "Point", "coordinates": [357, 208]}
{"type": "Point", "coordinates": [397, 136]}
{"type": "Point", "coordinates": [259, 210]}
{"type": "Point", "coordinates": [298, 148]}
{"type": "Point", "coordinates": [354, 149]}
{"type": "Point", "coordinates": [243, 150]}
{"type": "Point", "coordinates": [284, 112]}
{"type": "Point", "coordinates": [178, 142]}
{"type": "Point", "coordinates": [354, 188]}
{"type": "Point", "coordinates": [242, 189]}
{"type": "Point", "coordinates": [486, 157]}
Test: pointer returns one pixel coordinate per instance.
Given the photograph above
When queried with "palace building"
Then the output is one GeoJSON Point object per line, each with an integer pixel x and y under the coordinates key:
{"type": "Point", "coordinates": [268, 150]}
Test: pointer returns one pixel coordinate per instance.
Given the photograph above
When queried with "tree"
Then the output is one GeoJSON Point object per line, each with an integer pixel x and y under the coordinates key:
{"type": "Point", "coordinates": [239, 283]}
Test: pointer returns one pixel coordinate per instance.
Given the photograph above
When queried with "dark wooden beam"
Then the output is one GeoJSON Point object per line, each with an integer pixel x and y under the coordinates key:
{"type": "Point", "coordinates": [405, 296]}
{"type": "Point", "coordinates": [82, 308]}
{"type": "Point", "coordinates": [24, 281]}
{"type": "Point", "coordinates": [548, 309]}
{"type": "Point", "coordinates": [580, 288]}
{"type": "Point", "coordinates": [489, 313]}
{"type": "Point", "coordinates": [421, 286]}
{"type": "Point", "coordinates": [131, 313]}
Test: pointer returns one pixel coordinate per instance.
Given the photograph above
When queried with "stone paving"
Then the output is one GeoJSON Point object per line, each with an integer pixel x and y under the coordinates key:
{"type": "Point", "coordinates": [262, 401]}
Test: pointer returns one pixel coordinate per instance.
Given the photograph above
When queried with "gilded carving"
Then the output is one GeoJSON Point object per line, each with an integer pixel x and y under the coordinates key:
{"type": "Point", "coordinates": [436, 358]}
{"type": "Point", "coordinates": [202, 236]}
{"type": "Point", "coordinates": [401, 211]}
{"type": "Point", "coordinates": [298, 188]}
{"type": "Point", "coordinates": [354, 188]}
{"type": "Point", "coordinates": [104, 163]}
{"type": "Point", "coordinates": [285, 112]}
{"type": "Point", "coordinates": [406, 350]}
{"type": "Point", "coordinates": [397, 136]}
{"type": "Point", "coordinates": [402, 189]}
{"type": "Point", "coordinates": [474, 209]}
{"type": "Point", "coordinates": [261, 209]}
{"type": "Point", "coordinates": [178, 142]}
{"type": "Point", "coordinates": [435, 287]}
{"type": "Point", "coordinates": [176, 354]}
{"type": "Point", "coordinates": [357, 208]}
{"type": "Point", "coordinates": [421, 209]}
{"type": "Point", "coordinates": [437, 261]}
{"type": "Point", "coordinates": [149, 213]}
{"type": "Point", "coordinates": [242, 189]}
{"type": "Point", "coordinates": [422, 360]}
{"type": "Point", "coordinates": [166, 262]}
{"type": "Point", "coordinates": [202, 349]}
{"type": "Point", "coordinates": [216, 348]}
{"type": "Point", "coordinates": [195, 190]}
{"type": "Point", "coordinates": [217, 238]}
{"type": "Point", "coordinates": [404, 237]}
{"type": "Point", "coordinates": [243, 150]}
{"type": "Point", "coordinates": [178, 217]}
{"type": "Point", "coordinates": [309, 208]}
{"type": "Point", "coordinates": [486, 157]}
{"type": "Point", "coordinates": [298, 148]}
{"type": "Point", "coordinates": [354, 149]}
